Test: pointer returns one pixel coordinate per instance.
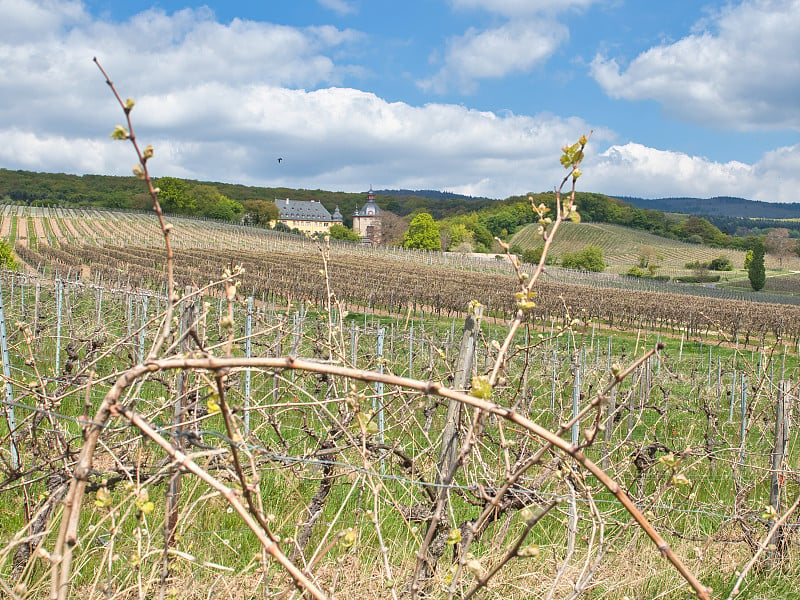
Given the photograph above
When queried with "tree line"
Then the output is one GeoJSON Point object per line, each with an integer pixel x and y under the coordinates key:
{"type": "Point", "coordinates": [464, 224]}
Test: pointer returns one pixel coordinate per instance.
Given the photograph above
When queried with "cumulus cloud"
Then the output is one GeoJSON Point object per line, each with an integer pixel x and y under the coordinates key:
{"type": "Point", "coordinates": [343, 138]}
{"type": "Point", "coordinates": [628, 169]}
{"type": "Point", "coordinates": [228, 99]}
{"type": "Point", "coordinates": [23, 18]}
{"type": "Point", "coordinates": [494, 53]}
{"type": "Point", "coordinates": [526, 40]}
{"type": "Point", "coordinates": [739, 71]}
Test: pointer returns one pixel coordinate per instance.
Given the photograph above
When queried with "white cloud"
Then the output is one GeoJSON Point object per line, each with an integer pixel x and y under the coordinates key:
{"type": "Point", "coordinates": [333, 138]}
{"type": "Point", "coordinates": [636, 170]}
{"type": "Point", "coordinates": [345, 139]}
{"type": "Point", "coordinates": [338, 6]}
{"type": "Point", "coordinates": [517, 46]}
{"type": "Point", "coordinates": [22, 19]}
{"type": "Point", "coordinates": [221, 107]}
{"type": "Point", "coordinates": [526, 40]}
{"type": "Point", "coordinates": [744, 74]}
{"type": "Point", "coordinates": [513, 8]}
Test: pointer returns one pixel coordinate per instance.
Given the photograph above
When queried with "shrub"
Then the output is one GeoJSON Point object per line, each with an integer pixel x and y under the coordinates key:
{"type": "Point", "coordinates": [7, 260]}
{"type": "Point", "coordinates": [636, 272]}
{"type": "Point", "coordinates": [721, 263]}
{"type": "Point", "coordinates": [340, 232]}
{"type": "Point", "coordinates": [588, 259]}
{"type": "Point", "coordinates": [698, 278]}
{"type": "Point", "coordinates": [534, 255]}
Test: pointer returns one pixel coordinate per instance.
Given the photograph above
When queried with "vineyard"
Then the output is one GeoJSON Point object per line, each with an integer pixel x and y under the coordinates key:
{"type": "Point", "coordinates": [123, 251]}
{"type": "Point", "coordinates": [622, 247]}
{"type": "Point", "coordinates": [317, 416]}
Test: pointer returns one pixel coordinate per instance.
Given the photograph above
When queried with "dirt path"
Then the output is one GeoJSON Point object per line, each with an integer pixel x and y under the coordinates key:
{"type": "Point", "coordinates": [41, 234]}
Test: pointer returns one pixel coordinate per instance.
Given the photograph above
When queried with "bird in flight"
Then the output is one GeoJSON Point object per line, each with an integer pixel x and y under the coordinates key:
{"type": "Point", "coordinates": [280, 160]}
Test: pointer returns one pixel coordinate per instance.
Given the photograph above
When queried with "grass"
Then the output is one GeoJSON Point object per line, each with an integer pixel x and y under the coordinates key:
{"type": "Point", "coordinates": [670, 411]}
{"type": "Point", "coordinates": [622, 247]}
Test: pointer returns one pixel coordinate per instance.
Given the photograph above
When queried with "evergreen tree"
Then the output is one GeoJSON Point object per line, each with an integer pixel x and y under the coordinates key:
{"type": "Point", "coordinates": [755, 270]}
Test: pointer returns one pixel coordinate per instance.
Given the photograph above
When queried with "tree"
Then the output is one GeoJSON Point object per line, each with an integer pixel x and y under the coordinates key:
{"type": "Point", "coordinates": [174, 195]}
{"type": "Point", "coordinates": [755, 271]}
{"type": "Point", "coordinates": [225, 209]}
{"type": "Point", "coordinates": [423, 233]}
{"type": "Point", "coordinates": [779, 243]}
{"type": "Point", "coordinates": [212, 204]}
{"type": "Point", "coordinates": [748, 259]}
{"type": "Point", "coordinates": [7, 260]}
{"type": "Point", "coordinates": [393, 228]}
{"type": "Point", "coordinates": [261, 212]}
{"type": "Point", "coordinates": [340, 232]}
{"type": "Point", "coordinates": [455, 235]}
{"type": "Point", "coordinates": [588, 259]}
{"type": "Point", "coordinates": [697, 229]}
{"type": "Point", "coordinates": [649, 259]}
{"type": "Point", "coordinates": [721, 263]}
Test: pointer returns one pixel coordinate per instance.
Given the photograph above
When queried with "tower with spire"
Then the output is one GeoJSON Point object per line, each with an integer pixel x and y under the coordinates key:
{"type": "Point", "coordinates": [367, 221]}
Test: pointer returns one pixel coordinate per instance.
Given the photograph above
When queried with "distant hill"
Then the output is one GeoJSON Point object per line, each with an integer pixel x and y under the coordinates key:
{"type": "Point", "coordinates": [108, 191]}
{"type": "Point", "coordinates": [431, 195]}
{"type": "Point", "coordinates": [724, 206]}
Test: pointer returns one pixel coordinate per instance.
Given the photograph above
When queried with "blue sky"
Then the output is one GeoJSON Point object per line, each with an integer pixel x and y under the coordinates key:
{"type": "Point", "coordinates": [470, 96]}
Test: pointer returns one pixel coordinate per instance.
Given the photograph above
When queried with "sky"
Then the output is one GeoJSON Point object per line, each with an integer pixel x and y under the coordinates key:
{"type": "Point", "coordinates": [683, 98]}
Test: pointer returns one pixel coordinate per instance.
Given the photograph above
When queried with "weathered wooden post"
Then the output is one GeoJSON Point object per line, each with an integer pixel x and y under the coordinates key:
{"type": "Point", "coordinates": [248, 349]}
{"type": "Point", "coordinates": [461, 381]}
{"type": "Point", "coordinates": [777, 467]}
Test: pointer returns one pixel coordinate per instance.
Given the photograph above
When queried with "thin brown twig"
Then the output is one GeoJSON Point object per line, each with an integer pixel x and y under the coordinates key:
{"type": "Point", "coordinates": [427, 387]}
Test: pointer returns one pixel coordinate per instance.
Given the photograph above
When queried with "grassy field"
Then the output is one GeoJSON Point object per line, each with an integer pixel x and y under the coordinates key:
{"type": "Point", "coordinates": [346, 468]}
{"type": "Point", "coordinates": [689, 404]}
{"type": "Point", "coordinates": [622, 247]}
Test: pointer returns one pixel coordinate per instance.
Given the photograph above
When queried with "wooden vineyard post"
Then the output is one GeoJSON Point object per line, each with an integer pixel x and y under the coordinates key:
{"type": "Point", "coordinates": [59, 308]}
{"type": "Point", "coordinates": [248, 347]}
{"type": "Point", "coordinates": [461, 381]}
{"type": "Point", "coordinates": [609, 432]}
{"type": "Point", "coordinates": [378, 401]}
{"type": "Point", "coordinates": [777, 467]}
{"type": "Point", "coordinates": [179, 408]}
{"type": "Point", "coordinates": [142, 331]}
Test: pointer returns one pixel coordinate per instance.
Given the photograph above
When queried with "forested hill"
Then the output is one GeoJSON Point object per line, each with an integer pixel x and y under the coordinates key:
{"type": "Point", "coordinates": [29, 187]}
{"type": "Point", "coordinates": [724, 206]}
{"type": "Point", "coordinates": [485, 216]}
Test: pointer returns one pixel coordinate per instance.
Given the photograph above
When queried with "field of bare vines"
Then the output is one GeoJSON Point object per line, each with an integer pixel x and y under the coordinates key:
{"type": "Point", "coordinates": [347, 444]}
{"type": "Point", "coordinates": [183, 421]}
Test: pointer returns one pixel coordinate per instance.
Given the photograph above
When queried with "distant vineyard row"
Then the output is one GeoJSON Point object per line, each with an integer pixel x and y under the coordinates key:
{"type": "Point", "coordinates": [393, 284]}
